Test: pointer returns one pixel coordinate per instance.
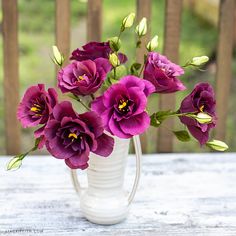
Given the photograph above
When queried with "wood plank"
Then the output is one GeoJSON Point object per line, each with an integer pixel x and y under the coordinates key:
{"type": "Point", "coordinates": [94, 20]}
{"type": "Point", "coordinates": [62, 27]}
{"type": "Point", "coordinates": [171, 50]}
{"type": "Point", "coordinates": [179, 195]}
{"type": "Point", "coordinates": [224, 64]}
{"type": "Point", "coordinates": [144, 10]}
{"type": "Point", "coordinates": [11, 75]}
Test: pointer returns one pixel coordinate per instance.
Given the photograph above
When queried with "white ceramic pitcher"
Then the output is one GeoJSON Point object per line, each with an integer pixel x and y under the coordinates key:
{"type": "Point", "coordinates": [104, 201]}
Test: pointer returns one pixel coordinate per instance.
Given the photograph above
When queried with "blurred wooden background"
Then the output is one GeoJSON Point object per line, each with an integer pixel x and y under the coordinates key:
{"type": "Point", "coordinates": [172, 26]}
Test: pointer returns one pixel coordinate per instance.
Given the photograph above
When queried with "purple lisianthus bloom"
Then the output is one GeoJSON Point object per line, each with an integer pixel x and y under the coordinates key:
{"type": "Point", "coordinates": [94, 50]}
{"type": "Point", "coordinates": [201, 99]}
{"type": "Point", "coordinates": [83, 77]}
{"type": "Point", "coordinates": [36, 108]}
{"type": "Point", "coordinates": [163, 73]}
{"type": "Point", "coordinates": [71, 136]}
{"type": "Point", "coordinates": [122, 107]}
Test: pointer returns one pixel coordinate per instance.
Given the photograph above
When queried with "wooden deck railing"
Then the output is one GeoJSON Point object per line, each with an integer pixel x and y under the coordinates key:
{"type": "Point", "coordinates": [94, 31]}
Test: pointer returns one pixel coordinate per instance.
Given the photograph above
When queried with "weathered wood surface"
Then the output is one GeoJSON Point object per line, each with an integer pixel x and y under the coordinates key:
{"type": "Point", "coordinates": [171, 50]}
{"type": "Point", "coordinates": [224, 64]}
{"type": "Point", "coordinates": [94, 20]}
{"type": "Point", "coordinates": [11, 75]}
{"type": "Point", "coordinates": [144, 9]}
{"type": "Point", "coordinates": [62, 27]}
{"type": "Point", "coordinates": [179, 194]}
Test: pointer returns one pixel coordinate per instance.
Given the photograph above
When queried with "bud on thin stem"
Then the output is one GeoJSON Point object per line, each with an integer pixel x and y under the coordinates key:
{"type": "Point", "coordinates": [114, 60]}
{"type": "Point", "coordinates": [58, 58]}
{"type": "Point", "coordinates": [153, 44]}
{"type": "Point", "coordinates": [217, 145]}
{"type": "Point", "coordinates": [141, 28]}
{"type": "Point", "coordinates": [128, 21]}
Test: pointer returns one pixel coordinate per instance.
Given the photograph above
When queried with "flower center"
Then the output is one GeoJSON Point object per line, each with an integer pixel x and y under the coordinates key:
{"type": "Point", "coordinates": [73, 136]}
{"type": "Point", "coordinates": [81, 77]}
{"type": "Point", "coordinates": [123, 105]}
{"type": "Point", "coordinates": [36, 109]}
{"type": "Point", "coordinates": [201, 108]}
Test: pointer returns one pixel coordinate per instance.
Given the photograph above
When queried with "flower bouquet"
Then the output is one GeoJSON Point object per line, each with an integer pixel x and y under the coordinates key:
{"type": "Point", "coordinates": [115, 96]}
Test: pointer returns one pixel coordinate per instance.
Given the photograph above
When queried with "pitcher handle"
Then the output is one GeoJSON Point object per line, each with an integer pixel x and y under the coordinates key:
{"type": "Point", "coordinates": [76, 182]}
{"type": "Point", "coordinates": [138, 154]}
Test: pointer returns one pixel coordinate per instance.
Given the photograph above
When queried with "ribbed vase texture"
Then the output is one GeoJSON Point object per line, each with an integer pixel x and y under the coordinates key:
{"type": "Point", "coordinates": [104, 201]}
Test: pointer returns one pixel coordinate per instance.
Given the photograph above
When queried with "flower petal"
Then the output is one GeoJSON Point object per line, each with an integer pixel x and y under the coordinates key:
{"type": "Point", "coordinates": [105, 145]}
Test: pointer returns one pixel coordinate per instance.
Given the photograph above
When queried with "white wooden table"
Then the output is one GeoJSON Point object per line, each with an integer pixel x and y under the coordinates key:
{"type": "Point", "coordinates": [179, 194]}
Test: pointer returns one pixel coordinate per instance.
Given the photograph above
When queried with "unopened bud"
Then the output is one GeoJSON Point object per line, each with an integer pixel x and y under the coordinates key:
{"type": "Point", "coordinates": [114, 44]}
{"type": "Point", "coordinates": [203, 118]}
{"type": "Point", "coordinates": [128, 21]}
{"type": "Point", "coordinates": [153, 44]}
{"type": "Point", "coordinates": [58, 58]}
{"type": "Point", "coordinates": [217, 145]}
{"type": "Point", "coordinates": [114, 60]}
{"type": "Point", "coordinates": [141, 28]}
{"type": "Point", "coordinates": [197, 61]}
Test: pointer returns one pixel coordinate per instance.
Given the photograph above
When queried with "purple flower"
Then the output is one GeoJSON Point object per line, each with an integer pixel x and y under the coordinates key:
{"type": "Point", "coordinates": [122, 107]}
{"type": "Point", "coordinates": [83, 77]}
{"type": "Point", "coordinates": [201, 99]}
{"type": "Point", "coordinates": [162, 73]}
{"type": "Point", "coordinates": [94, 50]}
{"type": "Point", "coordinates": [36, 107]}
{"type": "Point", "coordinates": [71, 136]}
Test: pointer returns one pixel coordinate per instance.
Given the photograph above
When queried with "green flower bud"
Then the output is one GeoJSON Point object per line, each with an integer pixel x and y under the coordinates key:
{"type": "Point", "coordinates": [217, 145]}
{"type": "Point", "coordinates": [114, 60]}
{"type": "Point", "coordinates": [197, 61]}
{"type": "Point", "coordinates": [115, 44]}
{"type": "Point", "coordinates": [141, 28]}
{"type": "Point", "coordinates": [128, 21]}
{"type": "Point", "coordinates": [153, 44]}
{"type": "Point", "coordinates": [58, 58]}
{"type": "Point", "coordinates": [203, 118]}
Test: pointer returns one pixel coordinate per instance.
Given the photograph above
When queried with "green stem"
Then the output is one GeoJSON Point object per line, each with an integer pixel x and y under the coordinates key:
{"type": "Point", "coordinates": [119, 36]}
{"type": "Point", "coordinates": [79, 100]}
{"type": "Point", "coordinates": [114, 69]}
{"type": "Point", "coordinates": [92, 96]}
{"type": "Point", "coordinates": [84, 105]}
{"type": "Point", "coordinates": [141, 71]}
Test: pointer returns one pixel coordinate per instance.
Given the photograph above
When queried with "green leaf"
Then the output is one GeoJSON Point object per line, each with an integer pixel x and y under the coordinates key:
{"type": "Point", "coordinates": [15, 163]}
{"type": "Point", "coordinates": [158, 117]}
{"type": "Point", "coordinates": [182, 135]}
{"type": "Point", "coordinates": [217, 145]}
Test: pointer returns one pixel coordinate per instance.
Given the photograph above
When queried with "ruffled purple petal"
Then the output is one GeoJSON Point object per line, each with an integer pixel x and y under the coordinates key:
{"type": "Point", "coordinates": [105, 145]}
{"type": "Point", "coordinates": [135, 125]}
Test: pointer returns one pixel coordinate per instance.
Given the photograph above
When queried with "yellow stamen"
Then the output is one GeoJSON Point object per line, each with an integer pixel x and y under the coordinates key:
{"type": "Point", "coordinates": [122, 105]}
{"type": "Point", "coordinates": [35, 109]}
{"type": "Point", "coordinates": [201, 108]}
{"type": "Point", "coordinates": [82, 77]}
{"type": "Point", "coordinates": [73, 135]}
